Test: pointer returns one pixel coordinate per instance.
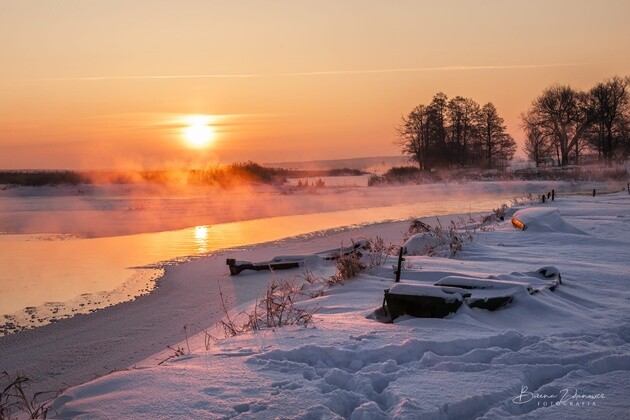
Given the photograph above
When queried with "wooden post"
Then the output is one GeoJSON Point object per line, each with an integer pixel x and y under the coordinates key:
{"type": "Point", "coordinates": [548, 195]}
{"type": "Point", "coordinates": [400, 260]}
{"type": "Point", "coordinates": [593, 192]}
{"type": "Point", "coordinates": [543, 198]}
{"type": "Point", "coordinates": [553, 195]}
{"type": "Point", "coordinates": [628, 187]}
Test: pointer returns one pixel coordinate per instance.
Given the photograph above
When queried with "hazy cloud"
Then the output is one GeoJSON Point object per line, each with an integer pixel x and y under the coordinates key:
{"type": "Point", "coordinates": [320, 73]}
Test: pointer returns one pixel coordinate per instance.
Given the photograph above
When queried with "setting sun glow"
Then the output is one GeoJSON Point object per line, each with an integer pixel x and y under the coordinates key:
{"type": "Point", "coordinates": [198, 132]}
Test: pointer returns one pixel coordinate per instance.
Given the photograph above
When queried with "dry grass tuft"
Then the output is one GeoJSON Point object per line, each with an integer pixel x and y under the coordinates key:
{"type": "Point", "coordinates": [348, 266]}
{"type": "Point", "coordinates": [14, 399]}
{"type": "Point", "coordinates": [439, 241]}
{"type": "Point", "coordinates": [379, 251]}
{"type": "Point", "coordinates": [278, 308]}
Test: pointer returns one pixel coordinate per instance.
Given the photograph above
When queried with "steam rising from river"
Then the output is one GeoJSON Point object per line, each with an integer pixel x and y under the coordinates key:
{"type": "Point", "coordinates": [121, 209]}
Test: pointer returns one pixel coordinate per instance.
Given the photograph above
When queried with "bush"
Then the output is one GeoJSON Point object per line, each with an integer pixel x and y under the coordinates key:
{"type": "Point", "coordinates": [403, 175]}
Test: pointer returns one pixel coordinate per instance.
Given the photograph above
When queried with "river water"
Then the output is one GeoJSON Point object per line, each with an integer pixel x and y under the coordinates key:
{"type": "Point", "coordinates": [45, 277]}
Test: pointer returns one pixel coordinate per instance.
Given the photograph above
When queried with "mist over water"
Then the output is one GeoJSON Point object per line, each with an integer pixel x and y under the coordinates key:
{"type": "Point", "coordinates": [57, 274]}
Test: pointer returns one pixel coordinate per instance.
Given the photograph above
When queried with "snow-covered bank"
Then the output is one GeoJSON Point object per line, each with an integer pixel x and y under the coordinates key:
{"type": "Point", "coordinates": [81, 348]}
{"type": "Point", "coordinates": [560, 354]}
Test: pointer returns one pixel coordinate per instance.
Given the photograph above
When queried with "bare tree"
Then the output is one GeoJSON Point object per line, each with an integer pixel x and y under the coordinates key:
{"type": "Point", "coordinates": [413, 136]}
{"type": "Point", "coordinates": [498, 145]}
{"type": "Point", "coordinates": [564, 115]}
{"type": "Point", "coordinates": [538, 147]}
{"type": "Point", "coordinates": [610, 102]}
{"type": "Point", "coordinates": [463, 113]}
{"type": "Point", "coordinates": [456, 132]}
{"type": "Point", "coordinates": [438, 131]}
{"type": "Point", "coordinates": [422, 134]}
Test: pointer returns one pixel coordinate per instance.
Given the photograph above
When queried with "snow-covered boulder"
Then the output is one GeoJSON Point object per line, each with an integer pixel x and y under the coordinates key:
{"type": "Point", "coordinates": [545, 219]}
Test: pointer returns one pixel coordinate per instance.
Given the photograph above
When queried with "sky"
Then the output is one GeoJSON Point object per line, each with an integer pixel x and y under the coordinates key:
{"type": "Point", "coordinates": [104, 84]}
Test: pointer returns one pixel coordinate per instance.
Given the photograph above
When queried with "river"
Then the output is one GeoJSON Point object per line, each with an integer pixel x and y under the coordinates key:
{"type": "Point", "coordinates": [47, 277]}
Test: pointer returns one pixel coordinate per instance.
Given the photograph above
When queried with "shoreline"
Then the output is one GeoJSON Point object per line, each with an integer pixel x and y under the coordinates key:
{"type": "Point", "coordinates": [75, 350]}
{"type": "Point", "coordinates": [53, 289]}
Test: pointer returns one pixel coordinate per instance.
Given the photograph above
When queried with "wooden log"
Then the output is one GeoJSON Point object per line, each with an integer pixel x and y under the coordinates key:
{"type": "Point", "coordinates": [237, 266]}
{"type": "Point", "coordinates": [288, 262]}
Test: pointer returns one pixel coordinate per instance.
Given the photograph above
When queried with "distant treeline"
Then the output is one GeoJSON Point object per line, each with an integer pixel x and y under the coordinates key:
{"type": "Point", "coordinates": [563, 126]}
{"type": "Point", "coordinates": [414, 175]}
{"type": "Point", "coordinates": [220, 175]}
{"type": "Point", "coordinates": [41, 178]}
{"type": "Point", "coordinates": [324, 172]}
{"type": "Point", "coordinates": [455, 133]}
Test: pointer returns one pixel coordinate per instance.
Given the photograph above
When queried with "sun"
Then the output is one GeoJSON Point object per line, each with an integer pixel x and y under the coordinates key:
{"type": "Point", "coordinates": [199, 132]}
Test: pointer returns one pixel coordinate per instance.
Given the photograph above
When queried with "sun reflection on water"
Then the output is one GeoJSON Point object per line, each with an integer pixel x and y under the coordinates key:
{"type": "Point", "coordinates": [201, 238]}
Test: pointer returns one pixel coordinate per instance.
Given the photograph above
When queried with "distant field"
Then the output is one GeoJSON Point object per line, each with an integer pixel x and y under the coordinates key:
{"type": "Point", "coordinates": [222, 176]}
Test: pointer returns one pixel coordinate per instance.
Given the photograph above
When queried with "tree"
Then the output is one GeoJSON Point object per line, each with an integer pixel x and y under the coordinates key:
{"type": "Point", "coordinates": [498, 146]}
{"type": "Point", "coordinates": [422, 134]}
{"type": "Point", "coordinates": [564, 115]}
{"type": "Point", "coordinates": [463, 113]}
{"type": "Point", "coordinates": [413, 136]}
{"type": "Point", "coordinates": [610, 104]}
{"type": "Point", "coordinates": [449, 133]}
{"type": "Point", "coordinates": [537, 146]}
{"type": "Point", "coordinates": [438, 148]}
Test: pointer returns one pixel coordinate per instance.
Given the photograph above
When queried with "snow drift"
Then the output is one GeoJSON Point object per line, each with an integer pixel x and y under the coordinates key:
{"type": "Point", "coordinates": [545, 219]}
{"type": "Point", "coordinates": [561, 354]}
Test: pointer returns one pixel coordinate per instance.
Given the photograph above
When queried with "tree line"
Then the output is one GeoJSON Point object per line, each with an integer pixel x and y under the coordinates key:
{"type": "Point", "coordinates": [455, 132]}
{"type": "Point", "coordinates": [561, 125]}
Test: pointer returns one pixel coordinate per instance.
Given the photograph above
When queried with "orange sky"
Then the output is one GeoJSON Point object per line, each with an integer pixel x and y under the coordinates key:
{"type": "Point", "coordinates": [110, 84]}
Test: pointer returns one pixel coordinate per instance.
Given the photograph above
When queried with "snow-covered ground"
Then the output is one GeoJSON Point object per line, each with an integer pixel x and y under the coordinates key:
{"type": "Point", "coordinates": [553, 354]}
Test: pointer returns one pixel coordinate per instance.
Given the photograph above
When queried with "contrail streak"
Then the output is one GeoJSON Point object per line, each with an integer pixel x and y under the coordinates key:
{"type": "Point", "coordinates": [318, 73]}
